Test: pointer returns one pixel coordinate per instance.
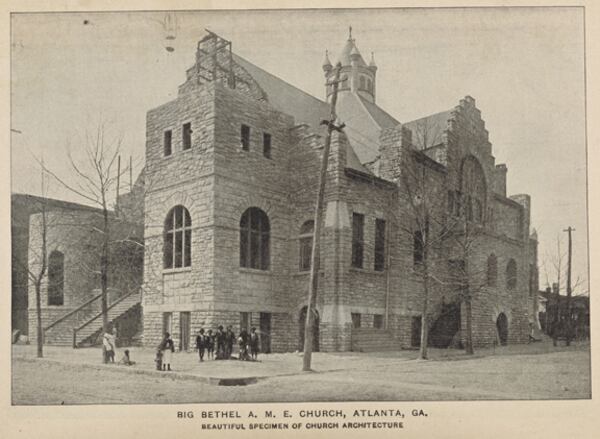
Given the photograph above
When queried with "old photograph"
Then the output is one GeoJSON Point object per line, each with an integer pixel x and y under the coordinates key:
{"type": "Point", "coordinates": [318, 205]}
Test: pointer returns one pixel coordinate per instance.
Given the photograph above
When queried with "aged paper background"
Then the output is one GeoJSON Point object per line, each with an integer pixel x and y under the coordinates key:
{"type": "Point", "coordinates": [548, 419]}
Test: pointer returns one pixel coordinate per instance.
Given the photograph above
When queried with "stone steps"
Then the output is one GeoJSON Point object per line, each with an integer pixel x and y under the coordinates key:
{"type": "Point", "coordinates": [62, 334]}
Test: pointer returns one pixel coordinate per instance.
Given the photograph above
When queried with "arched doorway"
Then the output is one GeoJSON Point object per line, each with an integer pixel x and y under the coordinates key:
{"type": "Point", "coordinates": [502, 327]}
{"type": "Point", "coordinates": [302, 325]}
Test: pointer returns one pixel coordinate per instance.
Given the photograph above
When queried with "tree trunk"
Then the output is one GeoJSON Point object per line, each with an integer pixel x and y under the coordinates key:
{"type": "Point", "coordinates": [469, 318]}
{"type": "Point", "coordinates": [104, 273]}
{"type": "Point", "coordinates": [40, 330]}
{"type": "Point", "coordinates": [425, 315]}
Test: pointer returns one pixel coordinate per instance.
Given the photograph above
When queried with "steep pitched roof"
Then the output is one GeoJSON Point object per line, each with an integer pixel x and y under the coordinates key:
{"type": "Point", "coordinates": [286, 98]}
{"type": "Point", "coordinates": [382, 117]}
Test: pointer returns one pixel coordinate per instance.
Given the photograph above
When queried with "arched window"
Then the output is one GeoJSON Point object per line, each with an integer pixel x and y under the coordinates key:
{"type": "Point", "coordinates": [177, 249]}
{"type": "Point", "coordinates": [362, 84]}
{"type": "Point", "coordinates": [305, 244]}
{"type": "Point", "coordinates": [56, 278]}
{"type": "Point", "coordinates": [474, 189]}
{"type": "Point", "coordinates": [492, 270]}
{"type": "Point", "coordinates": [511, 275]}
{"type": "Point", "coordinates": [369, 85]}
{"type": "Point", "coordinates": [254, 239]}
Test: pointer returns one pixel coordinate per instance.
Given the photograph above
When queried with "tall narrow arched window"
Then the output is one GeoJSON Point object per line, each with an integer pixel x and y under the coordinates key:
{"type": "Point", "coordinates": [492, 270]}
{"type": "Point", "coordinates": [369, 85]}
{"type": "Point", "coordinates": [473, 189]}
{"type": "Point", "coordinates": [362, 83]}
{"type": "Point", "coordinates": [254, 239]}
{"type": "Point", "coordinates": [305, 244]}
{"type": "Point", "coordinates": [511, 275]}
{"type": "Point", "coordinates": [177, 251]}
{"type": "Point", "coordinates": [56, 278]}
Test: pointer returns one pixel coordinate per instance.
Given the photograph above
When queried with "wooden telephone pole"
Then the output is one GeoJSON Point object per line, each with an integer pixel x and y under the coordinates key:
{"type": "Point", "coordinates": [569, 230]}
{"type": "Point", "coordinates": [314, 257]}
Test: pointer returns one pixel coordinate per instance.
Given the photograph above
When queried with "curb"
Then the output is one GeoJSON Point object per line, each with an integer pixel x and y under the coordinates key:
{"type": "Point", "coordinates": [214, 381]}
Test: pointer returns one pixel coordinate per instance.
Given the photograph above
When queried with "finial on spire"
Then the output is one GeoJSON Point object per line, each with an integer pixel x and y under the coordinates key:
{"type": "Point", "coordinates": [350, 33]}
{"type": "Point", "coordinates": [372, 63]}
{"type": "Point", "coordinates": [326, 62]}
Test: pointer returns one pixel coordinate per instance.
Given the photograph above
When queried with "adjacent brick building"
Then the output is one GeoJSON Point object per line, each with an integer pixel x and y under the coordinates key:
{"type": "Point", "coordinates": [230, 184]}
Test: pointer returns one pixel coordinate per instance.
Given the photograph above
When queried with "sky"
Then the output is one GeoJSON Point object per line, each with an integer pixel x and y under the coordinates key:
{"type": "Point", "coordinates": [523, 66]}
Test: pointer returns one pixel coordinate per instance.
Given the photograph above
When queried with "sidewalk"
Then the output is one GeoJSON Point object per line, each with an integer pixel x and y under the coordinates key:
{"type": "Point", "coordinates": [186, 365]}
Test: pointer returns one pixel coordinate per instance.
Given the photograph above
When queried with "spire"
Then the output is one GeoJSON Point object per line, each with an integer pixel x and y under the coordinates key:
{"type": "Point", "coordinates": [326, 63]}
{"type": "Point", "coordinates": [350, 33]}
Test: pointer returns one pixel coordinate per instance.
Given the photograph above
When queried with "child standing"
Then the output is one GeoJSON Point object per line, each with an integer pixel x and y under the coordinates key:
{"type": "Point", "coordinates": [167, 347]}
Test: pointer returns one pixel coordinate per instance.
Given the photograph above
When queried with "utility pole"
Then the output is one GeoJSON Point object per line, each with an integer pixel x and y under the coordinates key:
{"type": "Point", "coordinates": [314, 257]}
{"type": "Point", "coordinates": [118, 184]}
{"type": "Point", "coordinates": [569, 230]}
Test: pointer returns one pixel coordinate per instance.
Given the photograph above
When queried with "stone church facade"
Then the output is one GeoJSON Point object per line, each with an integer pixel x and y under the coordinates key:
{"type": "Point", "coordinates": [231, 176]}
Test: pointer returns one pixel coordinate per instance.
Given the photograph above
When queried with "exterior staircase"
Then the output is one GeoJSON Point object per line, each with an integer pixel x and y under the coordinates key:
{"type": "Point", "coordinates": [84, 324]}
{"type": "Point", "coordinates": [89, 332]}
{"type": "Point", "coordinates": [373, 340]}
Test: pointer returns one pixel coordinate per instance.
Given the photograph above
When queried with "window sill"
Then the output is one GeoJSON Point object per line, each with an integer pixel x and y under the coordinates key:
{"type": "Point", "coordinates": [176, 270]}
{"type": "Point", "coordinates": [255, 271]}
{"type": "Point", "coordinates": [307, 273]}
{"type": "Point", "coordinates": [367, 271]}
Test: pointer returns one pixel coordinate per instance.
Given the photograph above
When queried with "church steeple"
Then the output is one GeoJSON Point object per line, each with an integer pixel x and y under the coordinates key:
{"type": "Point", "coordinates": [361, 77]}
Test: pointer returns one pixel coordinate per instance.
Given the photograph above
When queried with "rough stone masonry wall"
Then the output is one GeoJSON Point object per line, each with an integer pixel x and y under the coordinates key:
{"type": "Point", "coordinates": [505, 229]}
{"type": "Point", "coordinates": [183, 178]}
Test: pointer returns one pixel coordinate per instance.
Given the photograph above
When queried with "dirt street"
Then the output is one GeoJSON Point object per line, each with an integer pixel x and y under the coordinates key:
{"type": "Point", "coordinates": [542, 373]}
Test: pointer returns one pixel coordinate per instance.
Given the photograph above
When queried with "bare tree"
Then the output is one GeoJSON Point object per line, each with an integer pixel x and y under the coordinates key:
{"type": "Point", "coordinates": [426, 228]}
{"type": "Point", "coordinates": [96, 179]}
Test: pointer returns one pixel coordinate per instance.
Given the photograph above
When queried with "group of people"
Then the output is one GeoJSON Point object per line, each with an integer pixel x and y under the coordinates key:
{"type": "Point", "coordinates": [224, 340]}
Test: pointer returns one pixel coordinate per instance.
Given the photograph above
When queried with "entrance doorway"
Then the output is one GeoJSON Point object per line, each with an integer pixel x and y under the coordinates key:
{"type": "Point", "coordinates": [302, 321]}
{"type": "Point", "coordinates": [265, 332]}
{"type": "Point", "coordinates": [184, 333]}
{"type": "Point", "coordinates": [502, 327]}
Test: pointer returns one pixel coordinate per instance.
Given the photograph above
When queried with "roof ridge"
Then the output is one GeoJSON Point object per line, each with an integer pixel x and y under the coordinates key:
{"type": "Point", "coordinates": [235, 55]}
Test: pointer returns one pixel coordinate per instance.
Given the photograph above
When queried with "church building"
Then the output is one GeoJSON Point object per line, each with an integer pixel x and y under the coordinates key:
{"type": "Point", "coordinates": [231, 176]}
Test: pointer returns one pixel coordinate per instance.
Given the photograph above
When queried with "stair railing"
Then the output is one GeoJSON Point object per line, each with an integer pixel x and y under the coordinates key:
{"type": "Point", "coordinates": [112, 305]}
{"type": "Point", "coordinates": [69, 314]}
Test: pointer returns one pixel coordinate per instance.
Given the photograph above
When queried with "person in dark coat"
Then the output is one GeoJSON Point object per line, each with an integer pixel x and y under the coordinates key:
{"type": "Point", "coordinates": [167, 347]}
{"type": "Point", "coordinates": [210, 345]}
{"type": "Point", "coordinates": [220, 337]}
{"type": "Point", "coordinates": [253, 344]}
{"type": "Point", "coordinates": [201, 343]}
{"type": "Point", "coordinates": [229, 342]}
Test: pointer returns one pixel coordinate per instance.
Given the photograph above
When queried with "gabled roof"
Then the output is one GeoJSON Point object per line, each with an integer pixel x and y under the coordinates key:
{"type": "Point", "coordinates": [286, 98]}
